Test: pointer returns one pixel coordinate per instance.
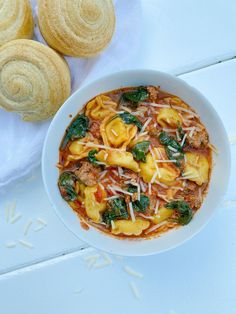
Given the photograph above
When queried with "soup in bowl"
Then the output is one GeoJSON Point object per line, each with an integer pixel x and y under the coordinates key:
{"type": "Point", "coordinates": [130, 162]}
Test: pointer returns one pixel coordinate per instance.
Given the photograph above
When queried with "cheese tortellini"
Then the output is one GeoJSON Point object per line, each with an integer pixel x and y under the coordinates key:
{"type": "Point", "coordinates": [128, 227]}
{"type": "Point", "coordinates": [116, 133]}
{"type": "Point", "coordinates": [163, 214]}
{"type": "Point", "coordinates": [100, 107]}
{"type": "Point", "coordinates": [168, 172]}
{"type": "Point", "coordinates": [196, 168]}
{"type": "Point", "coordinates": [92, 206]}
{"type": "Point", "coordinates": [116, 158]}
{"type": "Point", "coordinates": [168, 117]}
{"type": "Point", "coordinates": [78, 150]}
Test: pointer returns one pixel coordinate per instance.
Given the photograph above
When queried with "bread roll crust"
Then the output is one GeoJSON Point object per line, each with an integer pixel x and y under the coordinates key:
{"type": "Point", "coordinates": [79, 28]}
{"type": "Point", "coordinates": [16, 20]}
{"type": "Point", "coordinates": [34, 79]}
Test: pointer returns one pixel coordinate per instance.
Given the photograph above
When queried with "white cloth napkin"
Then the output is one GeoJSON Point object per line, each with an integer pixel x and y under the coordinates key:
{"type": "Point", "coordinates": [21, 142]}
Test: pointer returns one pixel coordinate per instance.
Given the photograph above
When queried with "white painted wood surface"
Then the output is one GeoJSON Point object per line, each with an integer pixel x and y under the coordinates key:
{"type": "Point", "coordinates": [198, 277]}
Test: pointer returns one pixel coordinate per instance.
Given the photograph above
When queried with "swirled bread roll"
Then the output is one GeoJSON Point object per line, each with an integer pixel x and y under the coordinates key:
{"type": "Point", "coordinates": [34, 79]}
{"type": "Point", "coordinates": [16, 20]}
{"type": "Point", "coordinates": [80, 28]}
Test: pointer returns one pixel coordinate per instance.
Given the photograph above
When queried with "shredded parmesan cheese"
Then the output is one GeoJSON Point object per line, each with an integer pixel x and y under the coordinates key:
{"type": "Point", "coordinates": [149, 188]}
{"type": "Point", "coordinates": [167, 160]}
{"type": "Point", "coordinates": [105, 156]}
{"type": "Point", "coordinates": [131, 211]}
{"type": "Point", "coordinates": [120, 171]}
{"type": "Point", "coordinates": [113, 226]}
{"type": "Point", "coordinates": [126, 109]}
{"type": "Point", "coordinates": [10, 245]}
{"type": "Point", "coordinates": [176, 154]}
{"type": "Point", "coordinates": [115, 172]}
{"type": "Point", "coordinates": [114, 132]}
{"type": "Point", "coordinates": [146, 124]}
{"type": "Point", "coordinates": [102, 174]}
{"type": "Point", "coordinates": [42, 221]}
{"type": "Point", "coordinates": [188, 177]}
{"type": "Point", "coordinates": [154, 176]}
{"type": "Point", "coordinates": [26, 244]}
{"type": "Point", "coordinates": [135, 290]}
{"type": "Point", "coordinates": [132, 272]}
{"type": "Point", "coordinates": [156, 166]}
{"type": "Point", "coordinates": [16, 218]}
{"type": "Point", "coordinates": [10, 210]}
{"type": "Point", "coordinates": [156, 227]}
{"type": "Point", "coordinates": [177, 135]}
{"type": "Point", "coordinates": [146, 217]}
{"type": "Point", "coordinates": [163, 185]}
{"type": "Point", "coordinates": [172, 149]}
{"type": "Point", "coordinates": [156, 207]}
{"type": "Point", "coordinates": [111, 197]}
{"type": "Point", "coordinates": [117, 189]}
{"type": "Point", "coordinates": [213, 148]}
{"type": "Point", "coordinates": [163, 197]}
{"type": "Point", "coordinates": [183, 140]}
{"type": "Point", "coordinates": [112, 180]}
{"type": "Point", "coordinates": [27, 227]}
{"type": "Point", "coordinates": [143, 186]}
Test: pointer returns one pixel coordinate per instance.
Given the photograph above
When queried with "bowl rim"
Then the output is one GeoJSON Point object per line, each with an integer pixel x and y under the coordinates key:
{"type": "Point", "coordinates": [125, 73]}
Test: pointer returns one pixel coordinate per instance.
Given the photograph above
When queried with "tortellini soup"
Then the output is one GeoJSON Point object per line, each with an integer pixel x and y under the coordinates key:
{"type": "Point", "coordinates": [135, 162]}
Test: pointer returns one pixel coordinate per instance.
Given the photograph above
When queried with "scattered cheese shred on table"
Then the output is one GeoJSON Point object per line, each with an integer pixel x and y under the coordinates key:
{"type": "Point", "coordinates": [132, 272]}
{"type": "Point", "coordinates": [10, 210]}
{"type": "Point", "coordinates": [10, 245]}
{"type": "Point", "coordinates": [26, 244]}
{"type": "Point", "coordinates": [27, 227]}
{"type": "Point", "coordinates": [42, 224]}
{"type": "Point", "coordinates": [134, 290]}
{"type": "Point", "coordinates": [15, 218]}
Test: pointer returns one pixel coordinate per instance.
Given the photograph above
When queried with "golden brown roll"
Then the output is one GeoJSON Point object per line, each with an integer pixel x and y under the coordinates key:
{"type": "Point", "coordinates": [80, 28]}
{"type": "Point", "coordinates": [16, 20]}
{"type": "Point", "coordinates": [34, 79]}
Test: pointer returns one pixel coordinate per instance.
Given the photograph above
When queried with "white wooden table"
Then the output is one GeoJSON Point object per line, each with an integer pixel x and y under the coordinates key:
{"type": "Point", "coordinates": [61, 274]}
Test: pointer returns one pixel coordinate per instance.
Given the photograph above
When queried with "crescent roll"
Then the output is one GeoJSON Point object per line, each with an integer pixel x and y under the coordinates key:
{"type": "Point", "coordinates": [79, 28]}
{"type": "Point", "coordinates": [16, 20]}
{"type": "Point", "coordinates": [34, 79]}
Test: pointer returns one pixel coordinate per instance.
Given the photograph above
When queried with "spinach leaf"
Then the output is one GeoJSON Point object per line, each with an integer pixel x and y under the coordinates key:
{"type": "Point", "coordinates": [77, 129]}
{"type": "Point", "coordinates": [139, 150]}
{"type": "Point", "coordinates": [91, 156]}
{"type": "Point", "coordinates": [142, 205]}
{"type": "Point", "coordinates": [178, 159]}
{"type": "Point", "coordinates": [167, 141]}
{"type": "Point", "coordinates": [128, 118]}
{"type": "Point", "coordinates": [132, 188]}
{"type": "Point", "coordinates": [136, 96]}
{"type": "Point", "coordinates": [117, 210]}
{"type": "Point", "coordinates": [66, 185]}
{"type": "Point", "coordinates": [184, 210]}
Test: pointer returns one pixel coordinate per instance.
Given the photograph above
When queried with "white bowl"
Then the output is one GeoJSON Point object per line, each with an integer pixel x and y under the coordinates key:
{"type": "Point", "coordinates": [219, 178]}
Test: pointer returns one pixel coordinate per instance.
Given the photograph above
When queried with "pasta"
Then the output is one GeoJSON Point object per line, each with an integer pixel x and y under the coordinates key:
{"type": "Point", "coordinates": [168, 117]}
{"type": "Point", "coordinates": [128, 227]}
{"type": "Point", "coordinates": [135, 173]}
{"type": "Point", "coordinates": [116, 133]}
{"type": "Point", "coordinates": [100, 107]}
{"type": "Point", "coordinates": [92, 206]}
